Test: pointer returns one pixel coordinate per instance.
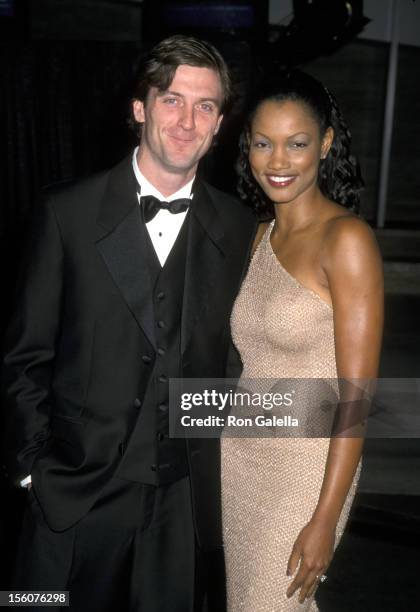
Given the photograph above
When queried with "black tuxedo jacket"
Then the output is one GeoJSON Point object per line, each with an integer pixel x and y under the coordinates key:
{"type": "Point", "coordinates": [84, 317]}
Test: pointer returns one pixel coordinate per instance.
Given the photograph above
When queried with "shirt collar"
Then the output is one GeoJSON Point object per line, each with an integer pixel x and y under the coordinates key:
{"type": "Point", "coordinates": [147, 188]}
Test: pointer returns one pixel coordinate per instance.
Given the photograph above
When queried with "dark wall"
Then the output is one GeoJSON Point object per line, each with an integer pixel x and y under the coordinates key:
{"type": "Point", "coordinates": [357, 73]}
{"type": "Point", "coordinates": [404, 175]}
{"type": "Point", "coordinates": [63, 109]}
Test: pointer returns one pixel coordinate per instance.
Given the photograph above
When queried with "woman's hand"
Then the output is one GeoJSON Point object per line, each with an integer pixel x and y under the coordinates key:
{"type": "Point", "coordinates": [312, 553]}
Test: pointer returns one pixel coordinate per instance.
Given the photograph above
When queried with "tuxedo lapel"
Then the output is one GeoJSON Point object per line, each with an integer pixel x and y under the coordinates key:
{"type": "Point", "coordinates": [122, 245]}
{"type": "Point", "coordinates": [205, 260]}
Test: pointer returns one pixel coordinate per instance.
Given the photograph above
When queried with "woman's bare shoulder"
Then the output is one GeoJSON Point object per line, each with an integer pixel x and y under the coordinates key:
{"type": "Point", "coordinates": [348, 236]}
{"type": "Point", "coordinates": [347, 227]}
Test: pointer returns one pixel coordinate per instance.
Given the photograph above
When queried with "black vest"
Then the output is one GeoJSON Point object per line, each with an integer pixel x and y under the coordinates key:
{"type": "Point", "coordinates": [151, 456]}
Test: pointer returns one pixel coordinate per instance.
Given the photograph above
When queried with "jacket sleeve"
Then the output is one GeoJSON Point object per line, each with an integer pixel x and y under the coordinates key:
{"type": "Point", "coordinates": [30, 345]}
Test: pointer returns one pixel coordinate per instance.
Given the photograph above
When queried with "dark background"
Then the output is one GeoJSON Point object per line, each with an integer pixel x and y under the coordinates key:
{"type": "Point", "coordinates": [65, 81]}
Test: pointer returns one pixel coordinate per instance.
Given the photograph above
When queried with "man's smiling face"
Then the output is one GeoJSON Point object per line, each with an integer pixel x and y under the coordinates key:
{"type": "Point", "coordinates": [179, 124]}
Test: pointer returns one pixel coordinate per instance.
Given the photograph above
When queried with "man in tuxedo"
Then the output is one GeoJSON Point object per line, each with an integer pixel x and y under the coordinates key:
{"type": "Point", "coordinates": [129, 280]}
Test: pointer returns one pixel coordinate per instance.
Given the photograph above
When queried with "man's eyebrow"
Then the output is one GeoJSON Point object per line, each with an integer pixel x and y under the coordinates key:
{"type": "Point", "coordinates": [215, 101]}
{"type": "Point", "coordinates": [166, 92]}
{"type": "Point", "coordinates": [170, 92]}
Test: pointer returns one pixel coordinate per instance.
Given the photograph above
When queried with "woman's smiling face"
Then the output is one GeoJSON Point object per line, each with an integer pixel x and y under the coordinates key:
{"type": "Point", "coordinates": [285, 149]}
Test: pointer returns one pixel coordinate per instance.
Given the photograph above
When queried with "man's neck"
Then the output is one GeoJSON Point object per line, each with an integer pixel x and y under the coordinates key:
{"type": "Point", "coordinates": [164, 181]}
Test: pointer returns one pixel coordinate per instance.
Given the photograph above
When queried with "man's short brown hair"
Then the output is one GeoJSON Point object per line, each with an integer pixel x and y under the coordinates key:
{"type": "Point", "coordinates": [159, 66]}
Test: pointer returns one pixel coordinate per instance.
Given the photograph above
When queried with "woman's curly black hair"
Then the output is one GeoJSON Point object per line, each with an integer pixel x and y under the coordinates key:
{"type": "Point", "coordinates": [339, 176]}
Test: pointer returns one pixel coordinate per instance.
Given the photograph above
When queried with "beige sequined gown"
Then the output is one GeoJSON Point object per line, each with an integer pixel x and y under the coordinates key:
{"type": "Point", "coordinates": [270, 487]}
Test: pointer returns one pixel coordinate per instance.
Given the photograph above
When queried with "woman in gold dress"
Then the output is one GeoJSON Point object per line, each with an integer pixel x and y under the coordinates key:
{"type": "Point", "coordinates": [310, 307]}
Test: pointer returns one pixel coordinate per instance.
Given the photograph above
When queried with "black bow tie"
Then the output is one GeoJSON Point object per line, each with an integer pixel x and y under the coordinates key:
{"type": "Point", "coordinates": [151, 206]}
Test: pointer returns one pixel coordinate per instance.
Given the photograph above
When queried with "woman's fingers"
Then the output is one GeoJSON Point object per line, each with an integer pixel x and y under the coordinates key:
{"type": "Point", "coordinates": [298, 580]}
{"type": "Point", "coordinates": [314, 586]}
{"type": "Point", "coordinates": [309, 586]}
{"type": "Point", "coordinates": [309, 559]}
{"type": "Point", "coordinates": [293, 562]}
{"type": "Point", "coordinates": [307, 580]}
{"type": "Point", "coordinates": [296, 583]}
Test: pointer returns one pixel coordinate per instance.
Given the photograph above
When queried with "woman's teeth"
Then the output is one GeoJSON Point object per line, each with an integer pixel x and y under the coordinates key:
{"type": "Point", "coordinates": [280, 180]}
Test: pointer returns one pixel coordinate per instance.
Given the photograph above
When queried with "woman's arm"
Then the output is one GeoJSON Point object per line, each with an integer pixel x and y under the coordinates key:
{"type": "Point", "coordinates": [354, 270]}
{"type": "Point", "coordinates": [353, 267]}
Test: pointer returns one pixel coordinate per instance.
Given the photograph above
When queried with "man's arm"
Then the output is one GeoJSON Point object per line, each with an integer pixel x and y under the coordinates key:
{"type": "Point", "coordinates": [30, 345]}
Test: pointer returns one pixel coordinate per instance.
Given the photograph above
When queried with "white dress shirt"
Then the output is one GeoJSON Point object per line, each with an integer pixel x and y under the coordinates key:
{"type": "Point", "coordinates": [165, 226]}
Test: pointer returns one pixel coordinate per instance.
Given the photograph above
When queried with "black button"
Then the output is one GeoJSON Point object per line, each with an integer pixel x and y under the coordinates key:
{"type": "Point", "coordinates": [121, 449]}
{"type": "Point", "coordinates": [153, 467]}
{"type": "Point", "coordinates": [160, 437]}
{"type": "Point", "coordinates": [161, 351]}
{"type": "Point", "coordinates": [160, 295]}
{"type": "Point", "coordinates": [163, 378]}
{"type": "Point", "coordinates": [161, 324]}
{"type": "Point", "coordinates": [137, 402]}
{"type": "Point", "coordinates": [163, 407]}
{"type": "Point", "coordinates": [146, 358]}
